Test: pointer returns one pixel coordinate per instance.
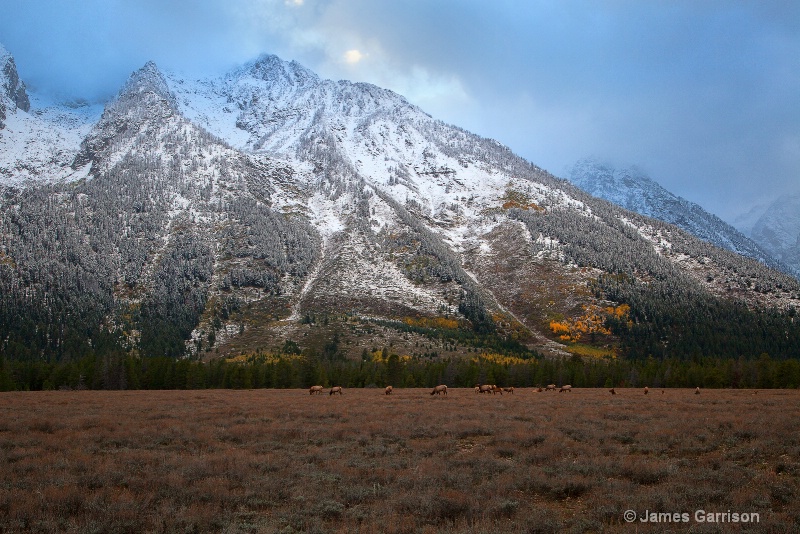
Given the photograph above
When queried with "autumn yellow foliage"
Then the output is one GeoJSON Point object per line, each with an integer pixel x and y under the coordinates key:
{"type": "Point", "coordinates": [377, 357]}
{"type": "Point", "coordinates": [591, 321]}
{"type": "Point", "coordinates": [559, 328]}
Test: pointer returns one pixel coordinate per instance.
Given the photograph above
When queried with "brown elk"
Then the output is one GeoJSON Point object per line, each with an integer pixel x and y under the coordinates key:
{"type": "Point", "coordinates": [315, 389]}
{"type": "Point", "coordinates": [336, 389]}
{"type": "Point", "coordinates": [485, 388]}
{"type": "Point", "coordinates": [646, 390]}
{"type": "Point", "coordinates": [497, 389]}
{"type": "Point", "coordinates": [564, 388]}
{"type": "Point", "coordinates": [612, 391]}
{"type": "Point", "coordinates": [509, 390]}
{"type": "Point", "coordinates": [439, 390]}
{"type": "Point", "coordinates": [697, 390]}
{"type": "Point", "coordinates": [388, 390]}
{"type": "Point", "coordinates": [551, 387]}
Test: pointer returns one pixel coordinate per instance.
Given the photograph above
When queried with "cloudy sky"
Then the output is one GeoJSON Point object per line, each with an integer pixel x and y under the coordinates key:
{"type": "Point", "coordinates": [702, 95]}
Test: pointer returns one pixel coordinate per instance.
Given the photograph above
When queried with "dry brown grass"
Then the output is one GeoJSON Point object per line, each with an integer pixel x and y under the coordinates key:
{"type": "Point", "coordinates": [284, 461]}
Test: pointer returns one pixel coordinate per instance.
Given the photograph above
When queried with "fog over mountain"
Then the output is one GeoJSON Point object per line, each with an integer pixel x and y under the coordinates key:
{"type": "Point", "coordinates": [778, 230]}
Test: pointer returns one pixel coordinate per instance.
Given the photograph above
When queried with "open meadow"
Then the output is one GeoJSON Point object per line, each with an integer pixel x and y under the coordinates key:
{"type": "Point", "coordinates": [285, 461]}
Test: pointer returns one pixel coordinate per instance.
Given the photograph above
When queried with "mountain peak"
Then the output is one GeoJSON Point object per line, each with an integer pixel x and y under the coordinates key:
{"type": "Point", "coordinates": [149, 79]}
{"type": "Point", "coordinates": [10, 85]}
{"type": "Point", "coordinates": [271, 68]}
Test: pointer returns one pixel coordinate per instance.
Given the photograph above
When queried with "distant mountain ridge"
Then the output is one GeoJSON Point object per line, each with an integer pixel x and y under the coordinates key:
{"type": "Point", "coordinates": [227, 216]}
{"type": "Point", "coordinates": [632, 189]}
{"type": "Point", "coordinates": [778, 230]}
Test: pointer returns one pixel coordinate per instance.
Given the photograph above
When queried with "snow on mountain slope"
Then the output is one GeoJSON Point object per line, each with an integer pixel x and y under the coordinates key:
{"type": "Point", "coordinates": [362, 132]}
{"type": "Point", "coordinates": [377, 143]}
{"type": "Point", "coordinates": [40, 145]}
{"type": "Point", "coordinates": [39, 138]}
{"type": "Point", "coordinates": [635, 191]}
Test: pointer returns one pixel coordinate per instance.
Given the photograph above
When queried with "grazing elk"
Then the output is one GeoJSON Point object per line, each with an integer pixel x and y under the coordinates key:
{"type": "Point", "coordinates": [551, 387]}
{"type": "Point", "coordinates": [335, 390]}
{"type": "Point", "coordinates": [439, 390]}
{"type": "Point", "coordinates": [509, 390]}
{"type": "Point", "coordinates": [388, 390]}
{"type": "Point", "coordinates": [485, 388]}
{"type": "Point", "coordinates": [315, 389]}
{"type": "Point", "coordinates": [564, 388]}
{"type": "Point", "coordinates": [612, 391]}
{"type": "Point", "coordinates": [496, 389]}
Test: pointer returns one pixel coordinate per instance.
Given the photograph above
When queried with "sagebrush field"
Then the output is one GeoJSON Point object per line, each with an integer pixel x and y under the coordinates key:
{"type": "Point", "coordinates": [285, 461]}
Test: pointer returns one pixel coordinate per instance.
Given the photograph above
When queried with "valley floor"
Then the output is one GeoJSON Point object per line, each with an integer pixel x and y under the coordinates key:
{"type": "Point", "coordinates": [285, 461]}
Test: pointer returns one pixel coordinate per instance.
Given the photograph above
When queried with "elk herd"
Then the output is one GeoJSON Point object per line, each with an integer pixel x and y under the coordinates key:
{"type": "Point", "coordinates": [479, 388]}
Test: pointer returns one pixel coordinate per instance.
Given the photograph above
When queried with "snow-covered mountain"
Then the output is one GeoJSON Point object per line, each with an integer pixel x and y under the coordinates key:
{"type": "Point", "coordinates": [632, 189]}
{"type": "Point", "coordinates": [227, 215]}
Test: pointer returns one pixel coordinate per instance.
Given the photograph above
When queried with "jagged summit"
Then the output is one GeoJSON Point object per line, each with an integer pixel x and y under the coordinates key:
{"type": "Point", "coordinates": [12, 88]}
{"type": "Point", "coordinates": [277, 107]}
{"type": "Point", "coordinates": [148, 79]}
{"type": "Point", "coordinates": [138, 112]}
{"type": "Point", "coordinates": [272, 69]}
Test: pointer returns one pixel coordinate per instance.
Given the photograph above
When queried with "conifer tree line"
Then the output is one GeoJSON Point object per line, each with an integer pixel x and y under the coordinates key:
{"type": "Point", "coordinates": [302, 371]}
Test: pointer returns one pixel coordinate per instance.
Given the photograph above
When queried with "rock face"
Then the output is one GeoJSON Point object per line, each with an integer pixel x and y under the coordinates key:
{"type": "Point", "coordinates": [12, 89]}
{"type": "Point", "coordinates": [227, 216]}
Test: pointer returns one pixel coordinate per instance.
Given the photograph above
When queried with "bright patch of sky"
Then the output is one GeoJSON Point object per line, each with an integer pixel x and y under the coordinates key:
{"type": "Point", "coordinates": [701, 95]}
{"type": "Point", "coordinates": [353, 56]}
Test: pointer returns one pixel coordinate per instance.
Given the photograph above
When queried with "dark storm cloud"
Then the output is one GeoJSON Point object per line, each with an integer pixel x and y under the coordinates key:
{"type": "Point", "coordinates": [702, 95]}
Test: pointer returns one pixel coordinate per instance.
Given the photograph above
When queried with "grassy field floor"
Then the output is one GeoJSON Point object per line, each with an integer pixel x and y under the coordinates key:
{"type": "Point", "coordinates": [285, 461]}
